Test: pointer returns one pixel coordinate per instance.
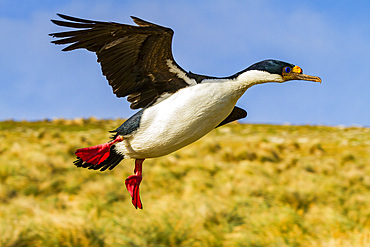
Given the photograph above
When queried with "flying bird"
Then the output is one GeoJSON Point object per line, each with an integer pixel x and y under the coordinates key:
{"type": "Point", "coordinates": [176, 107]}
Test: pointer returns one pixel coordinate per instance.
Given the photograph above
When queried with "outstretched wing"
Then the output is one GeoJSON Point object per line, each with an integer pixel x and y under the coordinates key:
{"type": "Point", "coordinates": [136, 60]}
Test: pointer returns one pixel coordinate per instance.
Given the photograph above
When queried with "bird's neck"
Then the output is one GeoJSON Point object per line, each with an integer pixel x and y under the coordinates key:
{"type": "Point", "coordinates": [250, 78]}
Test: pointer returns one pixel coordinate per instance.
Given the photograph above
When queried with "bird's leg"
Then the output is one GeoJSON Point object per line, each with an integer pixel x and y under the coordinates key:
{"type": "Point", "coordinates": [97, 154]}
{"type": "Point", "coordinates": [133, 183]}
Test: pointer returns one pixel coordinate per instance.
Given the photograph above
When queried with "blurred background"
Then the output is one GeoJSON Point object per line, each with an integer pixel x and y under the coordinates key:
{"type": "Point", "coordinates": [330, 39]}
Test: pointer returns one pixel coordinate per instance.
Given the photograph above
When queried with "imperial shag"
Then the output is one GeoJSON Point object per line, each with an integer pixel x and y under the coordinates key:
{"type": "Point", "coordinates": [177, 107]}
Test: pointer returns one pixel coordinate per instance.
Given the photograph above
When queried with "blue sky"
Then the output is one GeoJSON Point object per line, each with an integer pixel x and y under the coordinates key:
{"type": "Point", "coordinates": [330, 39]}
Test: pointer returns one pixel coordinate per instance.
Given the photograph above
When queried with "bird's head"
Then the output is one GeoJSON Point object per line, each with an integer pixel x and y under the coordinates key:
{"type": "Point", "coordinates": [273, 71]}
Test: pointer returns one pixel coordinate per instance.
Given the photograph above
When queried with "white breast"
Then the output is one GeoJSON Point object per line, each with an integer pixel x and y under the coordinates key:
{"type": "Point", "coordinates": [180, 119]}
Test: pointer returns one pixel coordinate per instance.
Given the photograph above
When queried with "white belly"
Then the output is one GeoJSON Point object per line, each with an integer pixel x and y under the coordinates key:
{"type": "Point", "coordinates": [180, 120]}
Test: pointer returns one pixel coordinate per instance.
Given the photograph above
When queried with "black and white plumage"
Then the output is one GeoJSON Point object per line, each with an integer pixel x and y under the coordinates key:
{"type": "Point", "coordinates": [178, 107]}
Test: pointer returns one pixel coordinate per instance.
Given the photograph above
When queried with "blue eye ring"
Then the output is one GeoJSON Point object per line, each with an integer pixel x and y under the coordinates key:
{"type": "Point", "coordinates": [287, 69]}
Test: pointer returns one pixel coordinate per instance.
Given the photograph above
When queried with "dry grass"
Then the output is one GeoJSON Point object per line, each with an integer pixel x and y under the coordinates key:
{"type": "Point", "coordinates": [242, 185]}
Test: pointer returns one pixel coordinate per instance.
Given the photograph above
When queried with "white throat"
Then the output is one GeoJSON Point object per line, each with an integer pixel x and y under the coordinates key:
{"type": "Point", "coordinates": [254, 77]}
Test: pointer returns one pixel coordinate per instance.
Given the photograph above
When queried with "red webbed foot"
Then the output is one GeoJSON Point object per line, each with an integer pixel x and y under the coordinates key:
{"type": "Point", "coordinates": [133, 183]}
{"type": "Point", "coordinates": [96, 154]}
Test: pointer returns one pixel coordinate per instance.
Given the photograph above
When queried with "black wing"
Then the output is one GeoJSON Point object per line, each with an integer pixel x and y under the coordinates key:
{"type": "Point", "coordinates": [236, 114]}
{"type": "Point", "coordinates": [136, 60]}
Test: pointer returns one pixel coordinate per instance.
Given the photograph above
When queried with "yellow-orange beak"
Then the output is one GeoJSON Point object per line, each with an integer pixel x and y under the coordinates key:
{"type": "Point", "coordinates": [297, 74]}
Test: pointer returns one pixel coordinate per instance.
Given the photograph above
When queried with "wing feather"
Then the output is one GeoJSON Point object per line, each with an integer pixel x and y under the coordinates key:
{"type": "Point", "coordinates": [134, 59]}
{"type": "Point", "coordinates": [237, 113]}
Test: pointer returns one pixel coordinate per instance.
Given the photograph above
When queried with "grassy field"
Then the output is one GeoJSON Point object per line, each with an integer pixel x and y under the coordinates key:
{"type": "Point", "coordinates": [241, 185]}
